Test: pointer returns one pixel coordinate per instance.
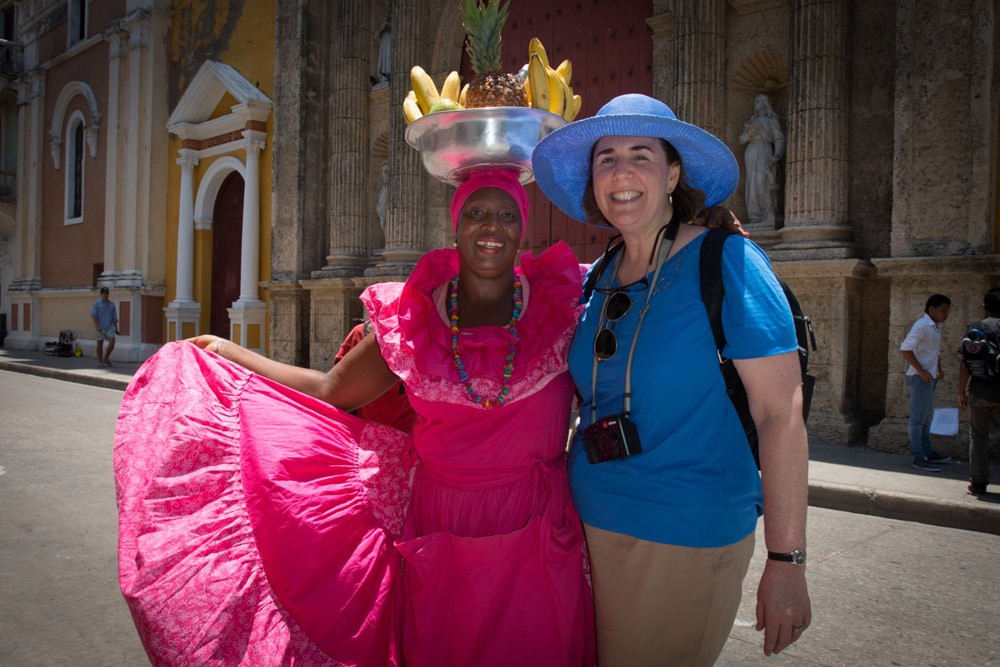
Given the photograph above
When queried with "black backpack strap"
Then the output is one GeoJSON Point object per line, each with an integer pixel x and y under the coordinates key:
{"type": "Point", "coordinates": [713, 290]}
{"type": "Point", "coordinates": [598, 268]}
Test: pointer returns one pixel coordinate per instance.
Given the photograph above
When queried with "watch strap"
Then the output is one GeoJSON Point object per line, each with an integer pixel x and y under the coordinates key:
{"type": "Point", "coordinates": [796, 556]}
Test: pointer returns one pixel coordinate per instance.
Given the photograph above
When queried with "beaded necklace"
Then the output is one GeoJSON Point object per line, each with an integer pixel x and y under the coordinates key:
{"type": "Point", "coordinates": [508, 368]}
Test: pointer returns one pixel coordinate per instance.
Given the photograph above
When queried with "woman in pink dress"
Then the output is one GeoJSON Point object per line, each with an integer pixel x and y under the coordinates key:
{"type": "Point", "coordinates": [260, 525]}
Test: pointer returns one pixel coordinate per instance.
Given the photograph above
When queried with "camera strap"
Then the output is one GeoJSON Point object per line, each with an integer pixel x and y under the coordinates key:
{"type": "Point", "coordinates": [669, 232]}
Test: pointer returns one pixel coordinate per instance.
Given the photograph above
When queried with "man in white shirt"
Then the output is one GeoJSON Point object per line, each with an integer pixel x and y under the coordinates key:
{"type": "Point", "coordinates": [922, 351]}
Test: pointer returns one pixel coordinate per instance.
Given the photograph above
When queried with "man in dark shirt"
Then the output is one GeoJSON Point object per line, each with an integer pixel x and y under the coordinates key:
{"type": "Point", "coordinates": [982, 397]}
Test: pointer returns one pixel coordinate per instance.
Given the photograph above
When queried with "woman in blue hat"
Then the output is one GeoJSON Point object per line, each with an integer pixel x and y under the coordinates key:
{"type": "Point", "coordinates": [659, 466]}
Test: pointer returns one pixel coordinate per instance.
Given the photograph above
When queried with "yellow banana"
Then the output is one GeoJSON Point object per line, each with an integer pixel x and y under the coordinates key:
{"type": "Point", "coordinates": [565, 70]}
{"type": "Point", "coordinates": [577, 103]}
{"type": "Point", "coordinates": [462, 95]}
{"type": "Point", "coordinates": [535, 47]}
{"type": "Point", "coordinates": [557, 92]}
{"type": "Point", "coordinates": [527, 92]}
{"type": "Point", "coordinates": [411, 110]}
{"type": "Point", "coordinates": [539, 82]}
{"type": "Point", "coordinates": [452, 86]}
{"type": "Point", "coordinates": [423, 86]}
{"type": "Point", "coordinates": [567, 112]}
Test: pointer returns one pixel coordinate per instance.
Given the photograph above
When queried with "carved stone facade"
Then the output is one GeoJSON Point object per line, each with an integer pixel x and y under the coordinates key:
{"type": "Point", "coordinates": [889, 176]}
{"type": "Point", "coordinates": [890, 168]}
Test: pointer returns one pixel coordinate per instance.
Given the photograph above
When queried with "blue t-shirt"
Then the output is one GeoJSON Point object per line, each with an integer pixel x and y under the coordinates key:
{"type": "Point", "coordinates": [695, 483]}
{"type": "Point", "coordinates": [105, 313]}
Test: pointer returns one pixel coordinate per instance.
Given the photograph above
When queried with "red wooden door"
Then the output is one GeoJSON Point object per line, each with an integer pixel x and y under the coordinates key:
{"type": "Point", "coordinates": [611, 49]}
{"type": "Point", "coordinates": [227, 241]}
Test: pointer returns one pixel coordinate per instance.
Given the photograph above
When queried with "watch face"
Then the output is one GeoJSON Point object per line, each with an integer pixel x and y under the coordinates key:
{"type": "Point", "coordinates": [799, 557]}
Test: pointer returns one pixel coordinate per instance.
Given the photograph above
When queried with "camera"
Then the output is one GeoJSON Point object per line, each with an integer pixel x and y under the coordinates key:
{"type": "Point", "coordinates": [611, 438]}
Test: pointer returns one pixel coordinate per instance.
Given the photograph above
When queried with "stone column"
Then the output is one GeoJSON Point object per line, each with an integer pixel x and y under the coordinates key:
{"type": "Point", "coordinates": [700, 64]}
{"type": "Point", "coordinates": [250, 246]}
{"type": "Point", "coordinates": [28, 215]}
{"type": "Point", "coordinates": [116, 37]}
{"type": "Point", "coordinates": [23, 290]}
{"type": "Point", "coordinates": [406, 212]}
{"type": "Point", "coordinates": [816, 224]}
{"type": "Point", "coordinates": [130, 220]}
{"type": "Point", "coordinates": [248, 314]}
{"type": "Point", "coordinates": [185, 231]}
{"type": "Point", "coordinates": [300, 159]}
{"type": "Point", "coordinates": [347, 194]}
{"type": "Point", "coordinates": [663, 55]}
{"type": "Point", "coordinates": [183, 313]}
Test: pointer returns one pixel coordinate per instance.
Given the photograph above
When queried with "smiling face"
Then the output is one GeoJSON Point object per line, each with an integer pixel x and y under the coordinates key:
{"type": "Point", "coordinates": [489, 233]}
{"type": "Point", "coordinates": [633, 179]}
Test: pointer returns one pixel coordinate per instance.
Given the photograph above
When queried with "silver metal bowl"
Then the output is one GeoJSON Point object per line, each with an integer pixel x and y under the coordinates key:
{"type": "Point", "coordinates": [455, 144]}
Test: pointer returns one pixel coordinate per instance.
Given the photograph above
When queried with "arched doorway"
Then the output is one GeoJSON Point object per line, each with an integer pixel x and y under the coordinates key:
{"type": "Point", "coordinates": [227, 240]}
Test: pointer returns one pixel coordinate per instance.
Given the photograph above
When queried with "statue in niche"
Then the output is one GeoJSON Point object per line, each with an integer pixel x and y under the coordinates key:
{"type": "Point", "coordinates": [764, 145]}
{"type": "Point", "coordinates": [384, 64]}
{"type": "Point", "coordinates": [383, 196]}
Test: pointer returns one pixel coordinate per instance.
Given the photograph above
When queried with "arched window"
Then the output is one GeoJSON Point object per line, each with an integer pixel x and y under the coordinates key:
{"type": "Point", "coordinates": [74, 168]}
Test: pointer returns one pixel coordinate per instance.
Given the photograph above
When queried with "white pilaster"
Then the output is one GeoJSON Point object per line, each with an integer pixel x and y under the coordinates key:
{"type": "Point", "coordinates": [250, 248]}
{"type": "Point", "coordinates": [185, 231]}
{"type": "Point", "coordinates": [132, 217]}
{"type": "Point", "coordinates": [112, 206]}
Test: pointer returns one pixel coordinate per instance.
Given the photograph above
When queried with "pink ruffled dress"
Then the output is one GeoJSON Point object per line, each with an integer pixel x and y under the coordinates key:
{"type": "Point", "coordinates": [259, 526]}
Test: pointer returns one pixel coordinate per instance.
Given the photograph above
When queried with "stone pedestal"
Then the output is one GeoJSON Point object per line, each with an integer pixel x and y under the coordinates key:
{"type": "Point", "coordinates": [836, 415]}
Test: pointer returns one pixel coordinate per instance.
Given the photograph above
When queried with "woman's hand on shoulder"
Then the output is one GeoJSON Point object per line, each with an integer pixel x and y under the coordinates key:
{"type": "Point", "coordinates": [719, 216]}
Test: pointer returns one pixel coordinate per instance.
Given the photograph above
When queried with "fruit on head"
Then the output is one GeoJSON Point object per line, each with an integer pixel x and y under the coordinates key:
{"type": "Point", "coordinates": [491, 87]}
{"type": "Point", "coordinates": [451, 87]}
{"type": "Point", "coordinates": [411, 110]}
{"type": "Point", "coordinates": [424, 88]}
{"type": "Point", "coordinates": [444, 104]}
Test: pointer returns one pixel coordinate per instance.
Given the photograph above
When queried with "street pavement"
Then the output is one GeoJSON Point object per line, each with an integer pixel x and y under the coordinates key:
{"type": "Point", "coordinates": [852, 479]}
{"type": "Point", "coordinates": [884, 591]}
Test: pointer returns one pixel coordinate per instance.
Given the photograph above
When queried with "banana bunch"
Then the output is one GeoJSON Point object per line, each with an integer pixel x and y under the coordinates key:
{"type": "Point", "coordinates": [549, 88]}
{"type": "Point", "coordinates": [425, 97]}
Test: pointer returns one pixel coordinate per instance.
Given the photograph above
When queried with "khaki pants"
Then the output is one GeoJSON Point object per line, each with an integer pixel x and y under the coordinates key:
{"type": "Point", "coordinates": [662, 605]}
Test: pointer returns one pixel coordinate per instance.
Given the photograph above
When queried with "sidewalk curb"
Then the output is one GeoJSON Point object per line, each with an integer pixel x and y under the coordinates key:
{"type": "Point", "coordinates": [982, 518]}
{"type": "Point", "coordinates": [109, 382]}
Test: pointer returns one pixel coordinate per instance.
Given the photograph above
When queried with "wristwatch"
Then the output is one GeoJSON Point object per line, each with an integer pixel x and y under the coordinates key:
{"type": "Point", "coordinates": [796, 556]}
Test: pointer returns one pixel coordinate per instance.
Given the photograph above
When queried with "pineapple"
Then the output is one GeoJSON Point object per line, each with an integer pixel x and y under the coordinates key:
{"type": "Point", "coordinates": [490, 87]}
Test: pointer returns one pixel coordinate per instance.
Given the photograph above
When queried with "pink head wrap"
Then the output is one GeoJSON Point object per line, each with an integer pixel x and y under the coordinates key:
{"type": "Point", "coordinates": [503, 180]}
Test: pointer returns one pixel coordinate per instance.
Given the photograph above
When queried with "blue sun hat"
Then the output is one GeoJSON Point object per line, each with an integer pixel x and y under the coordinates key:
{"type": "Point", "coordinates": [561, 161]}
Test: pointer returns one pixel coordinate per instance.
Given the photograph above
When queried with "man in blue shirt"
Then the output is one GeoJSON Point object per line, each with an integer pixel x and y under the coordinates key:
{"type": "Point", "coordinates": [105, 317]}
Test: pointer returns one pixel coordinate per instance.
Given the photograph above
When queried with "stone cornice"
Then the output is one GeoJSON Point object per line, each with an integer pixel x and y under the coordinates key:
{"type": "Point", "coordinates": [909, 266]}
{"type": "Point", "coordinates": [250, 115]}
{"type": "Point", "coordinates": [817, 268]}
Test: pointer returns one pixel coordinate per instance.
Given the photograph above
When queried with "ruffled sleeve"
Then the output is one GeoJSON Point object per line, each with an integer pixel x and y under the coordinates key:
{"type": "Point", "coordinates": [415, 340]}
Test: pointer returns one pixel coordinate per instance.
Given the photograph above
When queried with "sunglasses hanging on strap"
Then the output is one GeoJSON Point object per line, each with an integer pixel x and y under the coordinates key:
{"type": "Point", "coordinates": [615, 437]}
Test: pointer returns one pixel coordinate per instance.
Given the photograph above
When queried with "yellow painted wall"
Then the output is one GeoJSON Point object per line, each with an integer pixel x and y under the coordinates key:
{"type": "Point", "coordinates": [66, 312]}
{"type": "Point", "coordinates": [244, 40]}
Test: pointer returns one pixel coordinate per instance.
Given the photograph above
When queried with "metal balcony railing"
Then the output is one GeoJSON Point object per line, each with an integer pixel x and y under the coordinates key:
{"type": "Point", "coordinates": [11, 64]}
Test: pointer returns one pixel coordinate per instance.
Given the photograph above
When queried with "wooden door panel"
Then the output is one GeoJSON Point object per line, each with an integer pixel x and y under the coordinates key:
{"type": "Point", "coordinates": [227, 241]}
